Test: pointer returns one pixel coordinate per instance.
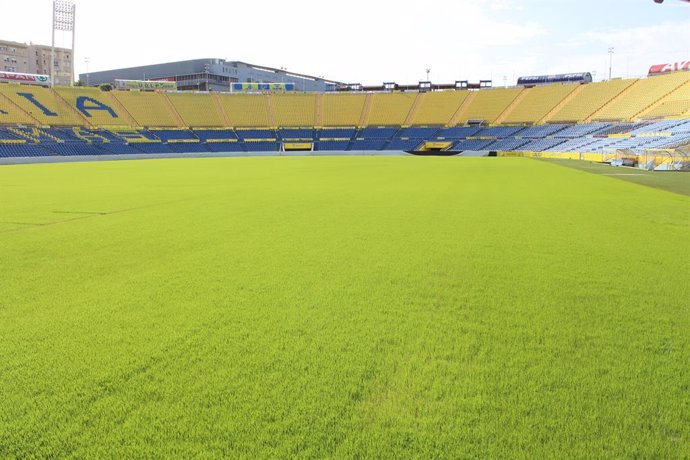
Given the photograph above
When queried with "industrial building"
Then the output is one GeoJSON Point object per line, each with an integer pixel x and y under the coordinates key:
{"type": "Point", "coordinates": [210, 75]}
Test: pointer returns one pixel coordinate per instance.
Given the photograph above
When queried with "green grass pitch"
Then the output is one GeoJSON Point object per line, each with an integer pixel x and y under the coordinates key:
{"type": "Point", "coordinates": [341, 307]}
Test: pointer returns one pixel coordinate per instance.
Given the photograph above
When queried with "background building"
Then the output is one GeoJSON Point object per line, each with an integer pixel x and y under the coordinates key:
{"type": "Point", "coordinates": [31, 58]}
{"type": "Point", "coordinates": [210, 75]}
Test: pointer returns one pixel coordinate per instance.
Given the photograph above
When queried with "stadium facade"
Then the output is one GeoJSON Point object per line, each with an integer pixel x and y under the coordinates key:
{"type": "Point", "coordinates": [210, 75]}
{"type": "Point", "coordinates": [35, 59]}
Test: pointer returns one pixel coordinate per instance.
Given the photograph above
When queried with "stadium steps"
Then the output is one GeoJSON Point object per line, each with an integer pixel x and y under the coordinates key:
{"type": "Point", "coordinates": [561, 104]}
{"type": "Point", "coordinates": [171, 110]}
{"type": "Point", "coordinates": [221, 109]}
{"type": "Point", "coordinates": [414, 109]}
{"type": "Point", "coordinates": [364, 117]}
{"type": "Point", "coordinates": [501, 118]}
{"type": "Point", "coordinates": [271, 112]}
{"type": "Point", "coordinates": [26, 115]}
{"type": "Point", "coordinates": [64, 105]}
{"type": "Point", "coordinates": [682, 87]}
{"type": "Point", "coordinates": [620, 96]}
{"type": "Point", "coordinates": [132, 123]}
{"type": "Point", "coordinates": [89, 136]}
{"type": "Point", "coordinates": [462, 109]}
{"type": "Point", "coordinates": [318, 111]}
{"type": "Point", "coordinates": [23, 135]}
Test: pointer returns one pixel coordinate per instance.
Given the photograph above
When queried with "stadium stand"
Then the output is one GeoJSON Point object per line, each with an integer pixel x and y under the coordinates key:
{"type": "Point", "coordinates": [168, 135]}
{"type": "Point", "coordinates": [332, 145]}
{"type": "Point", "coordinates": [246, 111]}
{"type": "Point", "coordinates": [403, 144]}
{"type": "Point", "coordinates": [336, 133]}
{"type": "Point", "coordinates": [11, 114]}
{"type": "Point", "coordinates": [197, 110]}
{"type": "Point", "coordinates": [437, 108]}
{"type": "Point", "coordinates": [296, 134]}
{"type": "Point", "coordinates": [41, 104]}
{"type": "Point", "coordinates": [96, 106]}
{"type": "Point", "coordinates": [294, 109]}
{"type": "Point", "coordinates": [418, 132]}
{"type": "Point", "coordinates": [215, 134]}
{"type": "Point", "coordinates": [675, 104]}
{"type": "Point", "coordinates": [342, 109]}
{"type": "Point", "coordinates": [368, 144]}
{"type": "Point", "coordinates": [390, 109]}
{"type": "Point", "coordinates": [641, 95]}
{"type": "Point", "coordinates": [488, 105]}
{"type": "Point", "coordinates": [376, 133]}
{"type": "Point", "coordinates": [256, 134]}
{"type": "Point", "coordinates": [37, 121]}
{"type": "Point", "coordinates": [458, 132]}
{"type": "Point", "coordinates": [541, 131]}
{"type": "Point", "coordinates": [590, 99]}
{"type": "Point", "coordinates": [537, 102]}
{"type": "Point", "coordinates": [576, 131]}
{"type": "Point", "coordinates": [148, 109]}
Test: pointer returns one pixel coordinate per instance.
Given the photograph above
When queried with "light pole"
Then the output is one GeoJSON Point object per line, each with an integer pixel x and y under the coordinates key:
{"type": "Point", "coordinates": [87, 60]}
{"type": "Point", "coordinates": [610, 60]}
{"type": "Point", "coordinates": [428, 71]}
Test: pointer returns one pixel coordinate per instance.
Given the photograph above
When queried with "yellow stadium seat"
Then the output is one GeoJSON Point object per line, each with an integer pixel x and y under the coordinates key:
{"type": "Point", "coordinates": [591, 98]}
{"type": "Point", "coordinates": [437, 108]}
{"type": "Point", "coordinates": [96, 106]}
{"type": "Point", "coordinates": [537, 103]}
{"type": "Point", "coordinates": [673, 105]}
{"type": "Point", "coordinates": [149, 109]}
{"type": "Point", "coordinates": [197, 110]}
{"type": "Point", "coordinates": [489, 104]}
{"type": "Point", "coordinates": [42, 105]}
{"type": "Point", "coordinates": [640, 96]}
{"type": "Point", "coordinates": [294, 110]}
{"type": "Point", "coordinates": [390, 109]}
{"type": "Point", "coordinates": [12, 114]}
{"type": "Point", "coordinates": [342, 109]}
{"type": "Point", "coordinates": [247, 110]}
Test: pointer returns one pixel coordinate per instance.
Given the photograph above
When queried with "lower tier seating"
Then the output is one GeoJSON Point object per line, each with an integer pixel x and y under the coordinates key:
{"type": "Point", "coordinates": [20, 141]}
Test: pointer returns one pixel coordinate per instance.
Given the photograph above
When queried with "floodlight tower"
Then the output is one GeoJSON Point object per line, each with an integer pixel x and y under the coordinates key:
{"type": "Point", "coordinates": [611, 51]}
{"type": "Point", "coordinates": [63, 20]}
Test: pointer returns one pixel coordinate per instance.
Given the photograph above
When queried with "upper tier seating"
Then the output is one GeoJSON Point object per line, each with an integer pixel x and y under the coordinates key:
{"type": "Point", "coordinates": [489, 104]}
{"type": "Point", "coordinates": [148, 109]}
{"type": "Point", "coordinates": [390, 109]}
{"type": "Point", "coordinates": [342, 109]}
{"type": "Point", "coordinates": [437, 108]}
{"type": "Point", "coordinates": [294, 109]}
{"type": "Point", "coordinates": [591, 98]}
{"type": "Point", "coordinates": [676, 104]}
{"type": "Point", "coordinates": [41, 104]}
{"type": "Point", "coordinates": [96, 106]}
{"type": "Point", "coordinates": [246, 110]}
{"type": "Point", "coordinates": [197, 110]}
{"type": "Point", "coordinates": [641, 95]}
{"type": "Point", "coordinates": [538, 102]}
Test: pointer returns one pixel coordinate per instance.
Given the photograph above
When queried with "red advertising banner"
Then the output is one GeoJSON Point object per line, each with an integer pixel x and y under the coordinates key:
{"type": "Point", "coordinates": [25, 78]}
{"type": "Point", "coordinates": [668, 68]}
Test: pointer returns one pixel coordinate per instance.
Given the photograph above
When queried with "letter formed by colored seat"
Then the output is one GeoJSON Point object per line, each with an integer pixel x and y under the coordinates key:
{"type": "Point", "coordinates": [31, 98]}
{"type": "Point", "coordinates": [85, 109]}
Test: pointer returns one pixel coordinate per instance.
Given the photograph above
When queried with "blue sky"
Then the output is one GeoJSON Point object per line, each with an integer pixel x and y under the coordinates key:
{"type": "Point", "coordinates": [372, 42]}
